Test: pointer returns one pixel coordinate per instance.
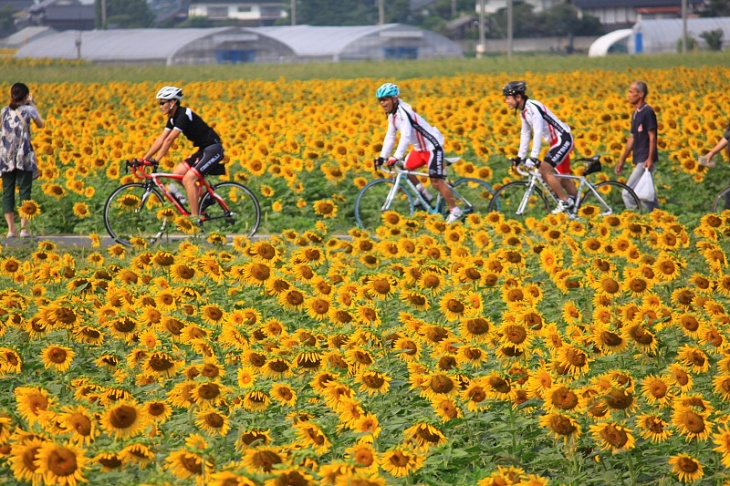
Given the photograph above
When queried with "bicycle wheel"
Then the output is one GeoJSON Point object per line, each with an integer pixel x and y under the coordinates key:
{"type": "Point", "coordinates": [136, 211]}
{"type": "Point", "coordinates": [242, 216]}
{"type": "Point", "coordinates": [473, 195]}
{"type": "Point", "coordinates": [370, 203]}
{"type": "Point", "coordinates": [618, 196]}
{"type": "Point", "coordinates": [514, 201]}
{"type": "Point", "coordinates": [722, 201]}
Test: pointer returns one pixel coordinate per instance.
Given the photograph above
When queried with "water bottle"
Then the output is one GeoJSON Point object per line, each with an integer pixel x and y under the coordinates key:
{"type": "Point", "coordinates": [177, 193]}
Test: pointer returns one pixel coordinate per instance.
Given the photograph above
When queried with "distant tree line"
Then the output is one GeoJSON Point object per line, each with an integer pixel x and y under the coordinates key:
{"type": "Point", "coordinates": [562, 19]}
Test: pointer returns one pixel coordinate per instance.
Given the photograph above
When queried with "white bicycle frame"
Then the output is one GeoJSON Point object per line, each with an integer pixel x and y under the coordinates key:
{"type": "Point", "coordinates": [534, 177]}
{"type": "Point", "coordinates": [402, 174]}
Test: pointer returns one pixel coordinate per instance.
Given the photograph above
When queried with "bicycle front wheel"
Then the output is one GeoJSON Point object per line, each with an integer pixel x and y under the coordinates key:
{"type": "Point", "coordinates": [617, 196]}
{"type": "Point", "coordinates": [136, 211]}
{"type": "Point", "coordinates": [473, 195]}
{"type": "Point", "coordinates": [371, 203]}
{"type": "Point", "coordinates": [517, 200]}
{"type": "Point", "coordinates": [722, 201]}
{"type": "Point", "coordinates": [240, 216]}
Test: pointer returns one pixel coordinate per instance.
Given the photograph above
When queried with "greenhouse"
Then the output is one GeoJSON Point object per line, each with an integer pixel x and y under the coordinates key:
{"type": "Point", "coordinates": [230, 45]}
{"type": "Point", "coordinates": [665, 35]}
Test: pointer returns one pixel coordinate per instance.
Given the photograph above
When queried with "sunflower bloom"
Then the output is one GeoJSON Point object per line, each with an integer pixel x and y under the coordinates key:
{"type": "Point", "coordinates": [124, 420]}
{"type": "Point", "coordinates": [185, 465]}
{"type": "Point", "coordinates": [687, 468]}
{"type": "Point", "coordinates": [29, 209]}
{"type": "Point", "coordinates": [561, 426]}
{"type": "Point", "coordinates": [612, 436]}
{"type": "Point", "coordinates": [401, 462]}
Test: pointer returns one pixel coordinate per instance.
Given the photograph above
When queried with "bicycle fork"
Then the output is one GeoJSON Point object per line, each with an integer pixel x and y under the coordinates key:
{"type": "Point", "coordinates": [528, 194]}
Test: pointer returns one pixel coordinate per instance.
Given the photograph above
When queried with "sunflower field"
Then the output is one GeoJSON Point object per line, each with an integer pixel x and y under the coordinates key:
{"type": "Point", "coordinates": [489, 352]}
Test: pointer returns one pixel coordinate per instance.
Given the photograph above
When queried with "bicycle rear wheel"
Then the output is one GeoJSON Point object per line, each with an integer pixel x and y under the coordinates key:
{"type": "Point", "coordinates": [136, 211]}
{"type": "Point", "coordinates": [722, 201]}
{"type": "Point", "coordinates": [618, 196]}
{"type": "Point", "coordinates": [473, 195]}
{"type": "Point", "coordinates": [517, 200]}
{"type": "Point", "coordinates": [369, 205]}
{"type": "Point", "coordinates": [242, 215]}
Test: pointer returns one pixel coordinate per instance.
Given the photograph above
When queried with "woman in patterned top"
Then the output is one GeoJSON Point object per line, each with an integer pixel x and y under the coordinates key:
{"type": "Point", "coordinates": [18, 164]}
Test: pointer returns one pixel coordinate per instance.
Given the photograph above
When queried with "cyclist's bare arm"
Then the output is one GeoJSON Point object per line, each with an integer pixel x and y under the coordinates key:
{"type": "Point", "coordinates": [163, 143]}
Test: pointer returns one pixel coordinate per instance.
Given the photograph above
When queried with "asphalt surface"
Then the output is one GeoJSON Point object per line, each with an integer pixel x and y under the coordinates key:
{"type": "Point", "coordinates": [75, 240]}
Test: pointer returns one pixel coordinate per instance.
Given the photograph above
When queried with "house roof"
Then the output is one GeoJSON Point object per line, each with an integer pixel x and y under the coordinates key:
{"type": "Point", "coordinates": [26, 35]}
{"type": "Point", "coordinates": [70, 12]}
{"type": "Point", "coordinates": [589, 4]}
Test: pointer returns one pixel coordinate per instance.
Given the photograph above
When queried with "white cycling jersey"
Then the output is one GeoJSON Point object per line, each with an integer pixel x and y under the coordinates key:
{"type": "Point", "coordinates": [416, 132]}
{"type": "Point", "coordinates": [539, 122]}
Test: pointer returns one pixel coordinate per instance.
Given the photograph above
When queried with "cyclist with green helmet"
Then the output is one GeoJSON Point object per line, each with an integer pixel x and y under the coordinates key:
{"type": "Point", "coordinates": [427, 142]}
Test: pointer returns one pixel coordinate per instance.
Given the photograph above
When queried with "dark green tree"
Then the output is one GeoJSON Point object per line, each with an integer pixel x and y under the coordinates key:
{"type": "Point", "coordinates": [716, 8]}
{"type": "Point", "coordinates": [399, 12]}
{"type": "Point", "coordinates": [340, 12]}
{"type": "Point", "coordinates": [713, 39]}
{"type": "Point", "coordinates": [124, 14]}
{"type": "Point", "coordinates": [524, 22]}
{"type": "Point", "coordinates": [565, 20]}
{"type": "Point", "coordinates": [7, 23]}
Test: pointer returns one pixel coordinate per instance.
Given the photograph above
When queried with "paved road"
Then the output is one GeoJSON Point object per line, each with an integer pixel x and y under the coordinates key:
{"type": "Point", "coordinates": [72, 240]}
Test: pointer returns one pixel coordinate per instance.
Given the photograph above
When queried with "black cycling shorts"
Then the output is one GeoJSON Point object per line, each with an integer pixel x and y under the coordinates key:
{"type": "Point", "coordinates": [207, 160]}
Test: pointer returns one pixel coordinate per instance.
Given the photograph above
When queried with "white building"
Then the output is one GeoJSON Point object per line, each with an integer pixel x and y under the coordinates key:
{"type": "Point", "coordinates": [247, 12]}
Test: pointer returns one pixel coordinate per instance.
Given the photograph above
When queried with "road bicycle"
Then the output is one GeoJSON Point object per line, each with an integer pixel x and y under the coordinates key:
{"type": "Point", "coordinates": [534, 198]}
{"type": "Point", "coordinates": [148, 210]}
{"type": "Point", "coordinates": [397, 193]}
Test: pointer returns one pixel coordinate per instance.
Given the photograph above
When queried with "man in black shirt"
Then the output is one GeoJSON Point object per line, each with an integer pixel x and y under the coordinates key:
{"type": "Point", "coordinates": [642, 141]}
{"type": "Point", "coordinates": [183, 120]}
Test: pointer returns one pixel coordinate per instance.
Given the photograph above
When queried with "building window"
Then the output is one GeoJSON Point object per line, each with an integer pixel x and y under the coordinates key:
{"type": "Point", "coordinates": [235, 56]}
{"type": "Point", "coordinates": [245, 9]}
{"type": "Point", "coordinates": [401, 52]}
{"type": "Point", "coordinates": [217, 12]}
{"type": "Point", "coordinates": [270, 12]}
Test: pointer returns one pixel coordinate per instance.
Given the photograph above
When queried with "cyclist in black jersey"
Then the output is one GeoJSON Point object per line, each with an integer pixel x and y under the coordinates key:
{"type": "Point", "coordinates": [183, 120]}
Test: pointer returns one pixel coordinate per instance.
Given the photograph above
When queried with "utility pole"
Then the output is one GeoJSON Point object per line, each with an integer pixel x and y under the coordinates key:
{"type": "Point", "coordinates": [103, 14]}
{"type": "Point", "coordinates": [381, 12]}
{"type": "Point", "coordinates": [510, 33]}
{"type": "Point", "coordinates": [294, 12]}
{"type": "Point", "coordinates": [480, 47]}
{"type": "Point", "coordinates": [684, 26]}
{"type": "Point", "coordinates": [453, 9]}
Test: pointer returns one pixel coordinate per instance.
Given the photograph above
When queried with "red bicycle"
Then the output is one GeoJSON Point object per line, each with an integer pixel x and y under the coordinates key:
{"type": "Point", "coordinates": [149, 211]}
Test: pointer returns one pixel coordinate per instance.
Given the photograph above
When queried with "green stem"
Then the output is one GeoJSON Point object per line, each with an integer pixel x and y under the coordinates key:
{"type": "Point", "coordinates": [632, 472]}
{"type": "Point", "coordinates": [513, 434]}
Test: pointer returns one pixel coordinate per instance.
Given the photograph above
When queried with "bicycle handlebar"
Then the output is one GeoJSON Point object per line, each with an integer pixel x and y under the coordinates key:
{"type": "Point", "coordinates": [135, 165]}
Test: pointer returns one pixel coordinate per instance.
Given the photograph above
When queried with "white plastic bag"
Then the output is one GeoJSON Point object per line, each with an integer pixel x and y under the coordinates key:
{"type": "Point", "coordinates": [644, 189]}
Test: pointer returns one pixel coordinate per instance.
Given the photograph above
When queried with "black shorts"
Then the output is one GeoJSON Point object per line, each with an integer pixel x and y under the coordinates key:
{"type": "Point", "coordinates": [208, 160]}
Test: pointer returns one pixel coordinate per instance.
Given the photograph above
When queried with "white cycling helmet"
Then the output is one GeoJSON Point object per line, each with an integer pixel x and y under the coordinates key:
{"type": "Point", "coordinates": [169, 93]}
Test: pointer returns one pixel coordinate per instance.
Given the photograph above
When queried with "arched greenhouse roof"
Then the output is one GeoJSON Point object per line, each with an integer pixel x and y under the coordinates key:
{"type": "Point", "coordinates": [601, 46]}
{"type": "Point", "coordinates": [243, 44]}
{"type": "Point", "coordinates": [124, 45]}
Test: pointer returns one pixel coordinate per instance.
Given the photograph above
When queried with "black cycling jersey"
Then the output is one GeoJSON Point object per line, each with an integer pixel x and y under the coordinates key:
{"type": "Point", "coordinates": [193, 127]}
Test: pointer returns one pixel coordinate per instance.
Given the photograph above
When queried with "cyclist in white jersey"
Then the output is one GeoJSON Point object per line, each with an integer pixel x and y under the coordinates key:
{"type": "Point", "coordinates": [539, 123]}
{"type": "Point", "coordinates": [427, 142]}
